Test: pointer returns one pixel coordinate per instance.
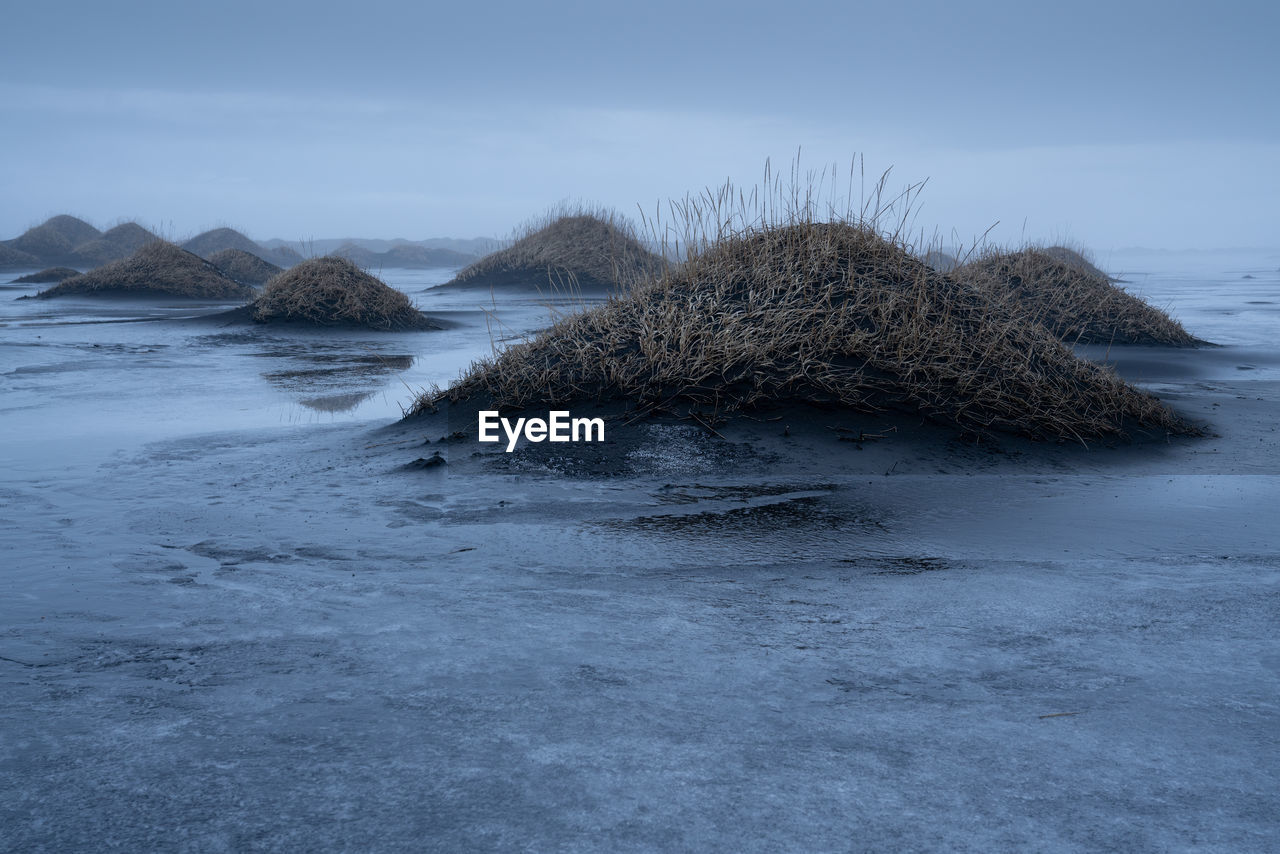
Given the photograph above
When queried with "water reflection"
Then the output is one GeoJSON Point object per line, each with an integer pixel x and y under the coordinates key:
{"type": "Point", "coordinates": [336, 402]}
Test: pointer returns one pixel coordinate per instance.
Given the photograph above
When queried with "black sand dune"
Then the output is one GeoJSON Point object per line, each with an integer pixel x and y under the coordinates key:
{"type": "Point", "coordinates": [830, 314]}
{"type": "Point", "coordinates": [1075, 259]}
{"type": "Point", "coordinates": [580, 251]}
{"type": "Point", "coordinates": [47, 276]}
{"type": "Point", "coordinates": [209, 243]}
{"type": "Point", "coordinates": [332, 292]}
{"type": "Point", "coordinates": [16, 259]}
{"type": "Point", "coordinates": [1074, 304]}
{"type": "Point", "coordinates": [245, 267]}
{"type": "Point", "coordinates": [115, 244]}
{"type": "Point", "coordinates": [54, 240]}
{"type": "Point", "coordinates": [216, 240]}
{"type": "Point", "coordinates": [157, 269]}
{"type": "Point", "coordinates": [285, 256]}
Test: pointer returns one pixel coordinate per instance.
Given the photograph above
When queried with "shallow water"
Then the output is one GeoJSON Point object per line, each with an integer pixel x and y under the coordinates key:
{"type": "Point", "coordinates": [82, 377]}
{"type": "Point", "coordinates": [231, 620]}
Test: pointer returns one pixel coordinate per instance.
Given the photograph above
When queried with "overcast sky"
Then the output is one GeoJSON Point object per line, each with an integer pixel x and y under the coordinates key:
{"type": "Point", "coordinates": [1108, 124]}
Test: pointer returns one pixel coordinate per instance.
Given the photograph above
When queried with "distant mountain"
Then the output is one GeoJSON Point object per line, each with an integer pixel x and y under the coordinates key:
{"type": "Point", "coordinates": [404, 255]}
{"type": "Point", "coordinates": [71, 242]}
{"type": "Point", "coordinates": [474, 246]}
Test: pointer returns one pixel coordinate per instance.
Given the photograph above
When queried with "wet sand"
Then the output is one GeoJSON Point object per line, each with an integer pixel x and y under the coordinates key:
{"type": "Point", "coordinates": [278, 633]}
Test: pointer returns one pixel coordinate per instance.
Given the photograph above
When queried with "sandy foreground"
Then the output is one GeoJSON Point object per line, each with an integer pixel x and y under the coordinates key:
{"type": "Point", "coordinates": [267, 637]}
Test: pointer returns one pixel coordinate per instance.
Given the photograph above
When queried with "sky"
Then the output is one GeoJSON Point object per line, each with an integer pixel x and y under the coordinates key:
{"type": "Point", "coordinates": [1102, 124]}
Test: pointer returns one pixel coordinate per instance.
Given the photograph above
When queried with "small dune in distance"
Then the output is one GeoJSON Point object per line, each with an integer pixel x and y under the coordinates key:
{"type": "Point", "coordinates": [157, 269]}
{"type": "Point", "coordinates": [574, 250]}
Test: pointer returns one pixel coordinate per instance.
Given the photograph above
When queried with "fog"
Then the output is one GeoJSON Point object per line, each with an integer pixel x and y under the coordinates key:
{"type": "Point", "coordinates": [1109, 128]}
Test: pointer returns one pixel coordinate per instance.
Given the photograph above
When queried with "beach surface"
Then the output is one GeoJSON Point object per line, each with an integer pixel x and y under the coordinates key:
{"type": "Point", "coordinates": [240, 612]}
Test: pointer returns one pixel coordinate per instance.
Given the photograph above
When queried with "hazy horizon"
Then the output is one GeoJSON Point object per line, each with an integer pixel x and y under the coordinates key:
{"type": "Point", "coordinates": [1113, 126]}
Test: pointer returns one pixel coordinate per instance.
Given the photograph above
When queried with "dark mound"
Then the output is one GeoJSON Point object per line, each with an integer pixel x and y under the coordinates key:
{"type": "Point", "coordinates": [1073, 304]}
{"type": "Point", "coordinates": [218, 239]}
{"type": "Point", "coordinates": [116, 243]}
{"type": "Point", "coordinates": [1075, 259]}
{"type": "Point", "coordinates": [244, 267]}
{"type": "Point", "coordinates": [53, 241]}
{"type": "Point", "coordinates": [331, 291]}
{"type": "Point", "coordinates": [76, 230]}
{"type": "Point", "coordinates": [824, 313]}
{"type": "Point", "coordinates": [129, 235]}
{"type": "Point", "coordinates": [16, 259]}
{"type": "Point", "coordinates": [284, 256]}
{"type": "Point", "coordinates": [51, 274]}
{"type": "Point", "coordinates": [584, 251]}
{"type": "Point", "coordinates": [45, 241]}
{"type": "Point", "coordinates": [157, 269]}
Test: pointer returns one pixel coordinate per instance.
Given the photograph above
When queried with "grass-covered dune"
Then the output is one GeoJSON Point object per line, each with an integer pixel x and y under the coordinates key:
{"type": "Point", "coordinates": [114, 244]}
{"type": "Point", "coordinates": [46, 276]}
{"type": "Point", "coordinates": [829, 313]}
{"type": "Point", "coordinates": [244, 267]}
{"type": "Point", "coordinates": [1073, 303]}
{"type": "Point", "coordinates": [1076, 258]}
{"type": "Point", "coordinates": [16, 259]}
{"type": "Point", "coordinates": [285, 256]}
{"type": "Point", "coordinates": [331, 291]}
{"type": "Point", "coordinates": [215, 240]}
{"type": "Point", "coordinates": [579, 249]}
{"type": "Point", "coordinates": [157, 269]}
{"type": "Point", "coordinates": [54, 240]}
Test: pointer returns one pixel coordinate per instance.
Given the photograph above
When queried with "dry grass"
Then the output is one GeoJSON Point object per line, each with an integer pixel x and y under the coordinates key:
{"type": "Point", "coordinates": [157, 268]}
{"type": "Point", "coordinates": [773, 306]}
{"type": "Point", "coordinates": [575, 247]}
{"type": "Point", "coordinates": [44, 277]}
{"type": "Point", "coordinates": [245, 267]}
{"type": "Point", "coordinates": [331, 291]}
{"type": "Point", "coordinates": [1073, 303]}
